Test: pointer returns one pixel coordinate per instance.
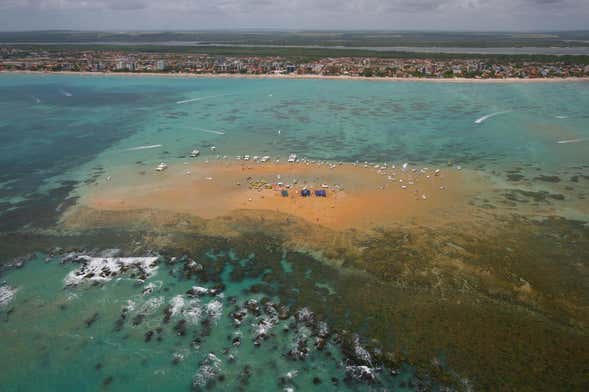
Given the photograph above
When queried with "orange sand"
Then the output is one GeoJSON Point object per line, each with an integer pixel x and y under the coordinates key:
{"type": "Point", "coordinates": [366, 198]}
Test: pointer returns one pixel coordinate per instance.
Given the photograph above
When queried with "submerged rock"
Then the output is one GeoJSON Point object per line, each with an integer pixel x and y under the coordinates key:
{"type": "Point", "coordinates": [177, 358]}
{"type": "Point", "coordinates": [192, 267]}
{"type": "Point", "coordinates": [167, 314]}
{"type": "Point", "coordinates": [120, 323]}
{"type": "Point", "coordinates": [197, 291]}
{"type": "Point", "coordinates": [208, 372]}
{"type": "Point", "coordinates": [305, 316]}
{"type": "Point", "coordinates": [89, 321]}
{"type": "Point", "coordinates": [355, 353]}
{"type": "Point", "coordinates": [298, 351]}
{"type": "Point", "coordinates": [180, 328]}
{"type": "Point", "coordinates": [148, 335]}
{"type": "Point", "coordinates": [360, 373]}
{"type": "Point", "coordinates": [138, 319]}
{"type": "Point", "coordinates": [103, 269]}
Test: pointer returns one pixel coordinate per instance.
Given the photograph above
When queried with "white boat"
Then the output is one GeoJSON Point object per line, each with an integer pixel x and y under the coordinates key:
{"type": "Point", "coordinates": [246, 157]}
{"type": "Point", "coordinates": [292, 158]}
{"type": "Point", "coordinates": [161, 167]}
{"type": "Point", "coordinates": [265, 158]}
{"type": "Point", "coordinates": [194, 153]}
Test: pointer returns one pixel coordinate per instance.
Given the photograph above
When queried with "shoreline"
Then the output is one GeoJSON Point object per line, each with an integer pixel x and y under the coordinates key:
{"type": "Point", "coordinates": [300, 77]}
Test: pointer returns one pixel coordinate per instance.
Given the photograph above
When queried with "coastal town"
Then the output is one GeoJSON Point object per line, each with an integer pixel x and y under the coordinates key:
{"type": "Point", "coordinates": [106, 61]}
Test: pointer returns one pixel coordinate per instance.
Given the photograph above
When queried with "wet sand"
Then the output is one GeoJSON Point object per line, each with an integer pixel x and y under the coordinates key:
{"type": "Point", "coordinates": [357, 196]}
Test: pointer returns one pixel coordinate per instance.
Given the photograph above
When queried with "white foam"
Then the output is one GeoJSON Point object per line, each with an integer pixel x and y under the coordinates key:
{"type": "Point", "coordinates": [71, 297]}
{"type": "Point", "coordinates": [130, 305]}
{"type": "Point", "coordinates": [7, 294]}
{"type": "Point", "coordinates": [573, 140]}
{"type": "Point", "coordinates": [263, 327]}
{"type": "Point", "coordinates": [93, 268]}
{"type": "Point", "coordinates": [65, 93]}
{"type": "Point", "coordinates": [177, 304]}
{"type": "Point", "coordinates": [152, 286]}
{"type": "Point", "coordinates": [199, 99]}
{"type": "Point", "coordinates": [361, 353]}
{"type": "Point", "coordinates": [207, 372]}
{"type": "Point", "coordinates": [488, 116]}
{"type": "Point", "coordinates": [152, 305]}
{"type": "Point", "coordinates": [210, 131]}
{"type": "Point", "coordinates": [215, 309]}
{"type": "Point", "coordinates": [360, 372]}
{"type": "Point", "coordinates": [199, 291]}
{"type": "Point", "coordinates": [561, 117]}
{"type": "Point", "coordinates": [143, 147]}
{"type": "Point", "coordinates": [292, 374]}
{"type": "Point", "coordinates": [192, 312]}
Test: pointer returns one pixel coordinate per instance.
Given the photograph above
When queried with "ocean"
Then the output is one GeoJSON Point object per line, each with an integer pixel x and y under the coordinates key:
{"type": "Point", "coordinates": [188, 306]}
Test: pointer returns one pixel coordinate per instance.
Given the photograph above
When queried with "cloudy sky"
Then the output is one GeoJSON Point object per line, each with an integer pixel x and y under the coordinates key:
{"type": "Point", "coordinates": [294, 14]}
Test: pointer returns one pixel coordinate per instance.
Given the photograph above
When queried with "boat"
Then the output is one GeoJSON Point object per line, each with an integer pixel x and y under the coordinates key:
{"type": "Point", "coordinates": [265, 158]}
{"type": "Point", "coordinates": [161, 167]}
{"type": "Point", "coordinates": [292, 158]}
{"type": "Point", "coordinates": [194, 153]}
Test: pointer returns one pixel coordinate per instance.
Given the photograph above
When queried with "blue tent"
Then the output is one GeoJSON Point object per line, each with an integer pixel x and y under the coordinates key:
{"type": "Point", "coordinates": [305, 193]}
{"type": "Point", "coordinates": [320, 193]}
{"type": "Point", "coordinates": [284, 193]}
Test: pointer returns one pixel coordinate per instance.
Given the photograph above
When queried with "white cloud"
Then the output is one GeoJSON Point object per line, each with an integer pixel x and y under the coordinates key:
{"type": "Point", "coordinates": [399, 14]}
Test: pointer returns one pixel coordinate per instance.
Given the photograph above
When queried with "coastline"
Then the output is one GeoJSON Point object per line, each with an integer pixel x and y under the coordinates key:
{"type": "Point", "coordinates": [300, 77]}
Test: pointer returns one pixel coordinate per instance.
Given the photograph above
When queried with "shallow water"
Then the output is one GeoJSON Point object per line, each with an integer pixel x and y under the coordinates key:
{"type": "Point", "coordinates": [98, 125]}
{"type": "Point", "coordinates": [114, 334]}
{"type": "Point", "coordinates": [424, 295]}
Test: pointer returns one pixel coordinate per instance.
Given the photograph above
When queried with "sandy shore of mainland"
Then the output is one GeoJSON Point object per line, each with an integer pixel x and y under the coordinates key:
{"type": "Point", "coordinates": [301, 77]}
{"type": "Point", "coordinates": [357, 196]}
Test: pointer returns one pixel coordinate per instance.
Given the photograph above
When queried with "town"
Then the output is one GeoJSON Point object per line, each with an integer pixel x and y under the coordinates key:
{"type": "Point", "coordinates": [100, 60]}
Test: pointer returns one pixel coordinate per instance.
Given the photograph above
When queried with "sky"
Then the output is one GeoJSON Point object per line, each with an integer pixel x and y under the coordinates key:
{"type": "Point", "coordinates": [453, 15]}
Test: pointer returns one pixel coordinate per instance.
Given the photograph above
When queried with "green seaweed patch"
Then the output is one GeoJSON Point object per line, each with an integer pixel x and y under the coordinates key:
{"type": "Point", "coordinates": [524, 196]}
{"type": "Point", "coordinates": [515, 177]}
{"type": "Point", "coordinates": [546, 178]}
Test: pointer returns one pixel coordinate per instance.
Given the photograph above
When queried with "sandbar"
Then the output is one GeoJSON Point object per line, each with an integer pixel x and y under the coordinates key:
{"type": "Point", "coordinates": [357, 196]}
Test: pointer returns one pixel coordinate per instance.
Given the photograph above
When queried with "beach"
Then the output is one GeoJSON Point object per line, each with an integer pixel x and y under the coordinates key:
{"type": "Point", "coordinates": [307, 77]}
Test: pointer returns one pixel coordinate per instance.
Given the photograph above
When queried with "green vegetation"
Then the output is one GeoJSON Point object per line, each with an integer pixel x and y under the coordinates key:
{"type": "Point", "coordinates": [306, 54]}
{"type": "Point", "coordinates": [320, 38]}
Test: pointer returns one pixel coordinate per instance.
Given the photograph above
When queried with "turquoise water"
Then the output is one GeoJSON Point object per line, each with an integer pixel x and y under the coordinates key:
{"type": "Point", "coordinates": [114, 334]}
{"type": "Point", "coordinates": [59, 134]}
{"type": "Point", "coordinates": [55, 129]}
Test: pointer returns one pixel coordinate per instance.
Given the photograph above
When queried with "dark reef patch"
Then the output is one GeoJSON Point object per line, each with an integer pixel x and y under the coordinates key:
{"type": "Point", "coordinates": [546, 178]}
